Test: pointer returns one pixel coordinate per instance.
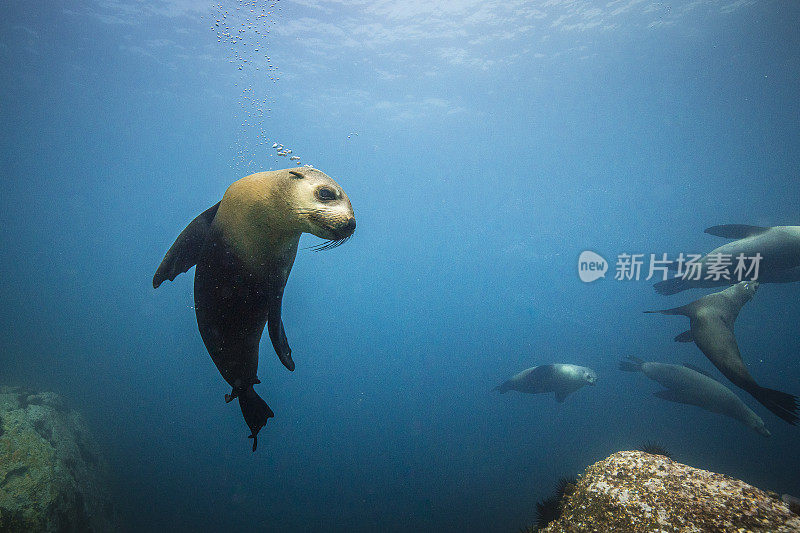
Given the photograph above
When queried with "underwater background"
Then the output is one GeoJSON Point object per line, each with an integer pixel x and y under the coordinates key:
{"type": "Point", "coordinates": [484, 145]}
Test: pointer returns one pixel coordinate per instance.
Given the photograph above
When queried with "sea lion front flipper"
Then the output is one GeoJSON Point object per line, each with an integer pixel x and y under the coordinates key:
{"type": "Point", "coordinates": [672, 395]}
{"type": "Point", "coordinates": [503, 387]}
{"type": "Point", "coordinates": [275, 329]}
{"type": "Point", "coordinates": [561, 395]}
{"type": "Point", "coordinates": [682, 310]}
{"type": "Point", "coordinates": [185, 251]}
{"type": "Point", "coordinates": [686, 336]}
{"type": "Point", "coordinates": [735, 231]}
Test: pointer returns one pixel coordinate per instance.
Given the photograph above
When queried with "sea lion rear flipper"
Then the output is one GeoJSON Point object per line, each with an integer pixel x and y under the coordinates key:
{"type": "Point", "coordinates": [782, 404]}
{"type": "Point", "coordinates": [276, 332]}
{"type": "Point", "coordinates": [633, 365]}
{"type": "Point", "coordinates": [686, 336]}
{"type": "Point", "coordinates": [256, 412]}
{"type": "Point", "coordinates": [735, 231]}
{"type": "Point", "coordinates": [185, 251]}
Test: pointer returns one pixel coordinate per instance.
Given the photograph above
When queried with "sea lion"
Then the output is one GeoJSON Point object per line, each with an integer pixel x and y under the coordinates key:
{"type": "Point", "coordinates": [692, 386]}
{"type": "Point", "coordinates": [779, 247]}
{"type": "Point", "coordinates": [244, 248]}
{"type": "Point", "coordinates": [558, 378]}
{"type": "Point", "coordinates": [711, 320]}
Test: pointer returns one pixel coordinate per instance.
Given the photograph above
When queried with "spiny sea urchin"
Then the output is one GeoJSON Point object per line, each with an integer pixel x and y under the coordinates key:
{"type": "Point", "coordinates": [654, 448]}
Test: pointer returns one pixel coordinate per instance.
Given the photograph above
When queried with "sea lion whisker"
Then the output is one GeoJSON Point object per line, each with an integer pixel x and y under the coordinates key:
{"type": "Point", "coordinates": [329, 244]}
{"type": "Point", "coordinates": [321, 246]}
{"type": "Point", "coordinates": [336, 243]}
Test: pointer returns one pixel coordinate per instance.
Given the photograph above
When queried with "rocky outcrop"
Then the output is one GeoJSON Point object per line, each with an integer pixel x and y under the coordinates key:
{"type": "Point", "coordinates": [51, 476]}
{"type": "Point", "coordinates": [631, 492]}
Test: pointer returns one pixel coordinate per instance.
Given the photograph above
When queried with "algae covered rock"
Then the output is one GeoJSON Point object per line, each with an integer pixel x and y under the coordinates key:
{"type": "Point", "coordinates": [51, 476]}
{"type": "Point", "coordinates": [631, 492]}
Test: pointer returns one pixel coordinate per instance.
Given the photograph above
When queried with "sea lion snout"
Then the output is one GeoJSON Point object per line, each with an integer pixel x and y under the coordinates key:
{"type": "Point", "coordinates": [589, 376]}
{"type": "Point", "coordinates": [336, 228]}
{"type": "Point", "coordinates": [347, 229]}
{"type": "Point", "coordinates": [750, 288]}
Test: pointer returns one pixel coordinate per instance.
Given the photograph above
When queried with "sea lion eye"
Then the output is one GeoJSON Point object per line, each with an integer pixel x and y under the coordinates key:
{"type": "Point", "coordinates": [325, 194]}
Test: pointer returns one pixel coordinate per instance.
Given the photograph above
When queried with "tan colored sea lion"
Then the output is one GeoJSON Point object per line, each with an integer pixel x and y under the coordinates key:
{"type": "Point", "coordinates": [244, 248]}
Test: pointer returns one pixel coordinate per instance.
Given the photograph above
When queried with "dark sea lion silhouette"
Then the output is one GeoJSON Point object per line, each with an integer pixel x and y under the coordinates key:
{"type": "Point", "coordinates": [778, 246]}
{"type": "Point", "coordinates": [711, 320]}
{"type": "Point", "coordinates": [244, 248]}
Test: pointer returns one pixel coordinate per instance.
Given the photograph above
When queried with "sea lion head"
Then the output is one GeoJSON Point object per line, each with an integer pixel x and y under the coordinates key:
{"type": "Point", "coordinates": [746, 289]}
{"type": "Point", "coordinates": [262, 216]}
{"type": "Point", "coordinates": [589, 376]}
{"type": "Point", "coordinates": [321, 206]}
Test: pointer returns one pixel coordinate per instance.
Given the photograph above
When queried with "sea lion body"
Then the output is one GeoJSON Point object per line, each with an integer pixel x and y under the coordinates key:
{"type": "Point", "coordinates": [690, 386]}
{"type": "Point", "coordinates": [711, 320]}
{"type": "Point", "coordinates": [561, 379]}
{"type": "Point", "coordinates": [777, 246]}
{"type": "Point", "coordinates": [244, 248]}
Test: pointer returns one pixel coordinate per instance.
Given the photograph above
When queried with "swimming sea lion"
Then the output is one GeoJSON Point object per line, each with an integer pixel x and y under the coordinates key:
{"type": "Point", "coordinates": [244, 248]}
{"type": "Point", "coordinates": [684, 384]}
{"type": "Point", "coordinates": [711, 319]}
{"type": "Point", "coordinates": [779, 247]}
{"type": "Point", "coordinates": [558, 378]}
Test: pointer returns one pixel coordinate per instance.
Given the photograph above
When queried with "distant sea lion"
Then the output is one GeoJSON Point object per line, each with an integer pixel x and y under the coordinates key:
{"type": "Point", "coordinates": [712, 318]}
{"type": "Point", "coordinates": [684, 384]}
{"type": "Point", "coordinates": [561, 379]}
{"type": "Point", "coordinates": [244, 248]}
{"type": "Point", "coordinates": [779, 247]}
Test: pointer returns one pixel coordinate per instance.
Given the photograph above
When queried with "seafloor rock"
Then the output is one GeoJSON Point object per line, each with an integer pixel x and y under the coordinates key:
{"type": "Point", "coordinates": [51, 477]}
{"type": "Point", "coordinates": [631, 492]}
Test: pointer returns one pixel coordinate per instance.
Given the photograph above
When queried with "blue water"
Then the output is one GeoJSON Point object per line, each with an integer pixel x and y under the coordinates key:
{"type": "Point", "coordinates": [495, 142]}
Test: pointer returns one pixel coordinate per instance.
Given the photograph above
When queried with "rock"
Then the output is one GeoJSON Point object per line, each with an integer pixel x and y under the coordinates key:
{"type": "Point", "coordinates": [51, 476]}
{"type": "Point", "coordinates": [792, 502]}
{"type": "Point", "coordinates": [631, 492]}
